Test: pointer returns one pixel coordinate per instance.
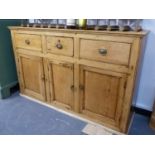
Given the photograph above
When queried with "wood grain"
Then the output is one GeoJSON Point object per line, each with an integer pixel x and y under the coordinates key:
{"type": "Point", "coordinates": [66, 42]}
{"type": "Point", "coordinates": [117, 52]}
{"type": "Point", "coordinates": [77, 77]}
{"type": "Point", "coordinates": [102, 92]}
{"type": "Point", "coordinates": [32, 75]}
{"type": "Point", "coordinates": [26, 41]}
{"type": "Point", "coordinates": [61, 81]}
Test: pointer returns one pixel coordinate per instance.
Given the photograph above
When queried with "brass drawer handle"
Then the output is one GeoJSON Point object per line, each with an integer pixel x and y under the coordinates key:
{"type": "Point", "coordinates": [59, 45]}
{"type": "Point", "coordinates": [103, 51]}
{"type": "Point", "coordinates": [27, 42]}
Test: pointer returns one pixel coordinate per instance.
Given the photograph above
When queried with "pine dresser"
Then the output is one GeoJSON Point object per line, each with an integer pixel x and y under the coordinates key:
{"type": "Point", "coordinates": [87, 72]}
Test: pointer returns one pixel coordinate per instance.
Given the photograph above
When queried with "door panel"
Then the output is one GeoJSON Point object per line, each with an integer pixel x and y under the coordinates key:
{"type": "Point", "coordinates": [61, 82]}
{"type": "Point", "coordinates": [102, 87]}
{"type": "Point", "coordinates": [101, 93]}
{"type": "Point", "coordinates": [32, 76]}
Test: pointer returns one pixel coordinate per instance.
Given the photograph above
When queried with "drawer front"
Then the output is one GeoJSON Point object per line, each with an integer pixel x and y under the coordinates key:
{"type": "Point", "coordinates": [28, 41]}
{"type": "Point", "coordinates": [99, 50]}
{"type": "Point", "coordinates": [60, 45]}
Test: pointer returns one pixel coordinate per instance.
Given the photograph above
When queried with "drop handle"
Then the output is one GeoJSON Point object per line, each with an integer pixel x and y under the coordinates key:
{"type": "Point", "coordinates": [27, 42]}
{"type": "Point", "coordinates": [59, 45]}
{"type": "Point", "coordinates": [103, 51]}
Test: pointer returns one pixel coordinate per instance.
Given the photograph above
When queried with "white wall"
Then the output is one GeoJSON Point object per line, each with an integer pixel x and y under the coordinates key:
{"type": "Point", "coordinates": [146, 90]}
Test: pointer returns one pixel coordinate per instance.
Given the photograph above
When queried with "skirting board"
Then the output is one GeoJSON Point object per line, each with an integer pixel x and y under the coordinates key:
{"type": "Point", "coordinates": [141, 106]}
{"type": "Point", "coordinates": [130, 124]}
{"type": "Point", "coordinates": [69, 113]}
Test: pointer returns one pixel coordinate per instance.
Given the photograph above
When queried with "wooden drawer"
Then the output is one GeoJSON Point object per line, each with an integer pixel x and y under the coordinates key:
{"type": "Point", "coordinates": [107, 51]}
{"type": "Point", "coordinates": [28, 41]}
{"type": "Point", "coordinates": [60, 45]}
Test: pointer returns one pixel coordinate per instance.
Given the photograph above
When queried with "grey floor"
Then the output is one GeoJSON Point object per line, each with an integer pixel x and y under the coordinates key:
{"type": "Point", "coordinates": [140, 126]}
{"type": "Point", "coordinates": [20, 116]}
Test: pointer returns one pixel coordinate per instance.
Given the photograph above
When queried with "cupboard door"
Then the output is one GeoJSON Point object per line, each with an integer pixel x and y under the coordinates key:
{"type": "Point", "coordinates": [101, 94]}
{"type": "Point", "coordinates": [61, 83]}
{"type": "Point", "coordinates": [32, 76]}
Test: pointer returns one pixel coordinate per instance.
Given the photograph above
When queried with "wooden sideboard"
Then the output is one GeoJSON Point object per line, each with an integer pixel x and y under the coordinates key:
{"type": "Point", "coordinates": [89, 72]}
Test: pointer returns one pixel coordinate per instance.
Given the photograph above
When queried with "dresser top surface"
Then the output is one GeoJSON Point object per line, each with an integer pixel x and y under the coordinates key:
{"type": "Point", "coordinates": [129, 33]}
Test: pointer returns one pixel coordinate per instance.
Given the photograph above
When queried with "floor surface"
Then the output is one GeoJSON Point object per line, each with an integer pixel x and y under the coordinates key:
{"type": "Point", "coordinates": [20, 116]}
{"type": "Point", "coordinates": [140, 126]}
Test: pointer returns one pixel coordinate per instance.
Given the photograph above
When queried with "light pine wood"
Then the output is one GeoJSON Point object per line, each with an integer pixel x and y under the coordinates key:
{"type": "Point", "coordinates": [76, 88]}
{"type": "Point", "coordinates": [101, 93]}
{"type": "Point", "coordinates": [117, 52]}
{"type": "Point", "coordinates": [47, 85]}
{"type": "Point", "coordinates": [76, 47]}
{"type": "Point", "coordinates": [26, 41]}
{"type": "Point", "coordinates": [66, 43]}
{"type": "Point", "coordinates": [72, 31]}
{"type": "Point", "coordinates": [61, 82]}
{"type": "Point", "coordinates": [32, 76]}
{"type": "Point", "coordinates": [16, 59]}
{"type": "Point", "coordinates": [136, 46]}
{"type": "Point", "coordinates": [77, 77]}
{"type": "Point", "coordinates": [43, 44]}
